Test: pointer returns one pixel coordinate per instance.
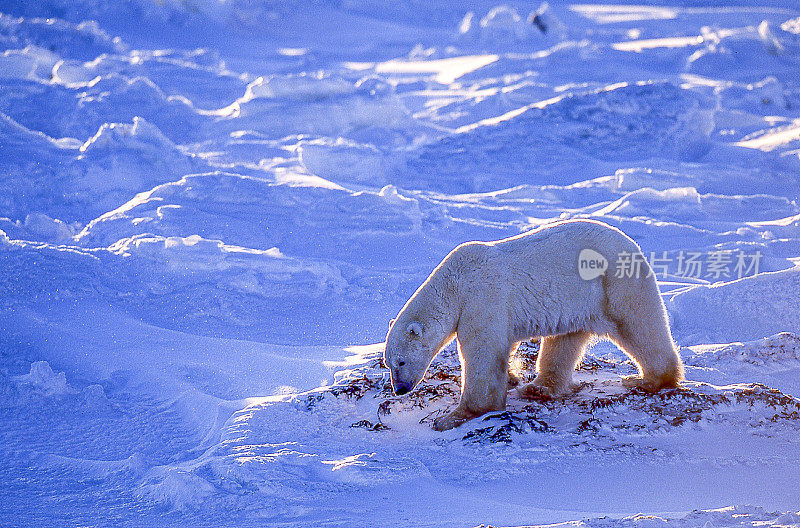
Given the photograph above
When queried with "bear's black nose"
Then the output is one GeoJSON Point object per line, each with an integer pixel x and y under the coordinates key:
{"type": "Point", "coordinates": [402, 388]}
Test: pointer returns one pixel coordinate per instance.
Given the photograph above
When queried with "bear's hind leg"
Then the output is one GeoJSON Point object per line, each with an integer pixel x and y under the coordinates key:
{"type": "Point", "coordinates": [652, 348]}
{"type": "Point", "coordinates": [559, 355]}
{"type": "Point", "coordinates": [640, 327]}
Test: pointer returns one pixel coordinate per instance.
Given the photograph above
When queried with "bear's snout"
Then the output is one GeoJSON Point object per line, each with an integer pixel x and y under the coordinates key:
{"type": "Point", "coordinates": [401, 388]}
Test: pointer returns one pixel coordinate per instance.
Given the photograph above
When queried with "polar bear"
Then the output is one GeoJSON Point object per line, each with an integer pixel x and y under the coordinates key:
{"type": "Point", "coordinates": [492, 295]}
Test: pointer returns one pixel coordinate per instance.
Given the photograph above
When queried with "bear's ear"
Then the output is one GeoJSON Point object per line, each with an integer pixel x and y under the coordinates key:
{"type": "Point", "coordinates": [391, 322]}
{"type": "Point", "coordinates": [415, 329]}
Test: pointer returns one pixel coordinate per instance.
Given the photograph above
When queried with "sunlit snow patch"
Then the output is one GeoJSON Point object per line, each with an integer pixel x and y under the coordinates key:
{"type": "Point", "coordinates": [444, 71]}
{"type": "Point", "coordinates": [669, 42]}
{"type": "Point", "coordinates": [612, 14]}
{"type": "Point", "coordinates": [772, 139]}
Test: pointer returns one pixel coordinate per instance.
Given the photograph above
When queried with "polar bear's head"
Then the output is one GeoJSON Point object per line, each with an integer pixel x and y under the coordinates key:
{"type": "Point", "coordinates": [408, 353]}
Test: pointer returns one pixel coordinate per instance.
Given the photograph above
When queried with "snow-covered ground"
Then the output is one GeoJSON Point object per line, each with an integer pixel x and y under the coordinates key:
{"type": "Point", "coordinates": [211, 209]}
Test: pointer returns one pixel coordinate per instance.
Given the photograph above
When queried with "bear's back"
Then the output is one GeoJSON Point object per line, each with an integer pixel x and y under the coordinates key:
{"type": "Point", "coordinates": [562, 242]}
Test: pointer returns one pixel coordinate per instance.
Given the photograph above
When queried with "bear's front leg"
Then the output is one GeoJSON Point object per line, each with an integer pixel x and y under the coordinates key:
{"type": "Point", "coordinates": [484, 384]}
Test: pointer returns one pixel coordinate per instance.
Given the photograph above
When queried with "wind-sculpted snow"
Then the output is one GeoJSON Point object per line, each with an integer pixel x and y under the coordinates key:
{"type": "Point", "coordinates": [354, 435]}
{"type": "Point", "coordinates": [204, 204]}
{"type": "Point", "coordinates": [77, 182]}
{"type": "Point", "coordinates": [197, 75]}
{"type": "Point", "coordinates": [737, 310]}
{"type": "Point", "coordinates": [740, 516]}
{"type": "Point", "coordinates": [82, 41]}
{"type": "Point", "coordinates": [79, 111]}
{"type": "Point", "coordinates": [771, 360]}
{"type": "Point", "coordinates": [321, 105]}
{"type": "Point", "coordinates": [628, 122]}
{"type": "Point", "coordinates": [301, 215]}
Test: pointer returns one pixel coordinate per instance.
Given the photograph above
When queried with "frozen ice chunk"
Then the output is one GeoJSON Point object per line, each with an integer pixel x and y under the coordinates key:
{"type": "Point", "coordinates": [42, 378]}
{"type": "Point", "coordinates": [30, 63]}
{"type": "Point", "coordinates": [342, 160]}
{"type": "Point", "coordinates": [503, 25]}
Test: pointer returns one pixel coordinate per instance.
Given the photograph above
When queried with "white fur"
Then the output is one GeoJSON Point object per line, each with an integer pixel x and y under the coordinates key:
{"type": "Point", "coordinates": [492, 295]}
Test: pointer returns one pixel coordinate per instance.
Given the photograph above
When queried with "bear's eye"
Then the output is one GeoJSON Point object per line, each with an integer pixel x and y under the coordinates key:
{"type": "Point", "coordinates": [401, 363]}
